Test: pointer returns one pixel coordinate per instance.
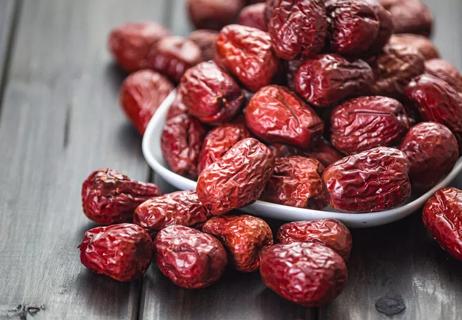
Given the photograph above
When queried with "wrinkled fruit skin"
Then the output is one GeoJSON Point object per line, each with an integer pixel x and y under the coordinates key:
{"type": "Point", "coordinates": [369, 181]}
{"type": "Point", "coordinates": [437, 101]}
{"type": "Point", "coordinates": [131, 43]}
{"type": "Point", "coordinates": [244, 236]}
{"type": "Point", "coordinates": [247, 53]}
{"type": "Point", "coordinates": [324, 153]}
{"type": "Point", "coordinates": [309, 274]}
{"type": "Point", "coordinates": [330, 78]}
{"type": "Point", "coordinates": [296, 182]}
{"type": "Point", "coordinates": [367, 122]}
{"type": "Point", "coordinates": [298, 28]}
{"type": "Point", "coordinates": [181, 143]}
{"type": "Point", "coordinates": [219, 140]}
{"type": "Point", "coordinates": [181, 208]}
{"type": "Point", "coordinates": [442, 216]}
{"type": "Point", "coordinates": [122, 252]}
{"type": "Point", "coordinates": [109, 196]}
{"type": "Point", "coordinates": [141, 94]}
{"type": "Point", "coordinates": [210, 94]}
{"type": "Point", "coordinates": [423, 45]}
{"type": "Point", "coordinates": [432, 151]}
{"type": "Point", "coordinates": [445, 71]}
{"type": "Point", "coordinates": [329, 232]}
{"type": "Point", "coordinates": [173, 55]}
{"type": "Point", "coordinates": [409, 16]}
{"type": "Point", "coordinates": [213, 14]}
{"type": "Point", "coordinates": [253, 16]}
{"type": "Point", "coordinates": [206, 40]}
{"type": "Point", "coordinates": [237, 179]}
{"type": "Point", "coordinates": [278, 116]}
{"type": "Point", "coordinates": [189, 258]}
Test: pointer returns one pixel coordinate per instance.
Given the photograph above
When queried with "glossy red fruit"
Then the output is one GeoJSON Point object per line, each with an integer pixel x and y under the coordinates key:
{"type": "Point", "coordinates": [219, 140]}
{"type": "Point", "coordinates": [189, 258]}
{"type": "Point", "coordinates": [213, 14]}
{"type": "Point", "coordinates": [329, 232]}
{"type": "Point", "coordinates": [424, 45]}
{"type": "Point", "coordinates": [210, 94]}
{"type": "Point", "coordinates": [131, 43]}
{"type": "Point", "coordinates": [432, 151]}
{"type": "Point", "coordinates": [409, 16]}
{"type": "Point", "coordinates": [253, 16]}
{"type": "Point", "coordinates": [247, 53]}
{"type": "Point", "coordinates": [445, 71]}
{"type": "Point", "coordinates": [181, 143]}
{"type": "Point", "coordinates": [109, 196]}
{"type": "Point", "coordinates": [278, 116]}
{"type": "Point", "coordinates": [206, 40]}
{"type": "Point", "coordinates": [237, 179]}
{"type": "Point", "coordinates": [141, 94]}
{"type": "Point", "coordinates": [369, 181]}
{"type": "Point", "coordinates": [243, 236]}
{"type": "Point", "coordinates": [296, 182]}
{"type": "Point", "coordinates": [323, 152]}
{"type": "Point", "coordinates": [309, 274]}
{"type": "Point", "coordinates": [367, 122]}
{"type": "Point", "coordinates": [122, 252]}
{"type": "Point", "coordinates": [442, 216]}
{"type": "Point", "coordinates": [298, 28]}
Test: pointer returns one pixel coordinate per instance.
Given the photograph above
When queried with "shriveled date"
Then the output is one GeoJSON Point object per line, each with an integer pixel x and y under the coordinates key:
{"type": "Point", "coordinates": [369, 181]}
{"type": "Point", "coordinates": [253, 16]}
{"type": "Point", "coordinates": [237, 179]}
{"type": "Point", "coordinates": [445, 71]}
{"type": "Point", "coordinates": [423, 45]}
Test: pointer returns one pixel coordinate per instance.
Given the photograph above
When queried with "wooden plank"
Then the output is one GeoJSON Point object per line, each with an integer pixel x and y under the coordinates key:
{"type": "Point", "coordinates": [61, 120]}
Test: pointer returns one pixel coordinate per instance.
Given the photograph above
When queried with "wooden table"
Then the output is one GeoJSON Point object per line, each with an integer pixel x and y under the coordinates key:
{"type": "Point", "coordinates": [60, 119]}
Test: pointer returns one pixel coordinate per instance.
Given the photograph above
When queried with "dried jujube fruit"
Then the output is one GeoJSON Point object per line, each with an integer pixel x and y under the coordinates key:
{"type": "Point", "coordinates": [213, 14]}
{"type": "Point", "coordinates": [296, 182]}
{"type": "Point", "coordinates": [109, 196]}
{"type": "Point", "coordinates": [122, 252]}
{"type": "Point", "coordinates": [409, 16]}
{"type": "Point", "coordinates": [442, 216]}
{"type": "Point", "coordinates": [206, 40]}
{"type": "Point", "coordinates": [253, 16]}
{"type": "Point", "coordinates": [210, 94]}
{"type": "Point", "coordinates": [277, 115]}
{"type": "Point", "coordinates": [385, 28]}
{"type": "Point", "coordinates": [298, 28]}
{"type": "Point", "coordinates": [131, 43]}
{"type": "Point", "coordinates": [424, 45]}
{"type": "Point", "coordinates": [181, 207]}
{"type": "Point", "coordinates": [243, 236]}
{"type": "Point", "coordinates": [432, 151]}
{"type": "Point", "coordinates": [141, 94]}
{"type": "Point", "coordinates": [307, 273]}
{"type": "Point", "coordinates": [366, 122]}
{"type": "Point", "coordinates": [189, 258]}
{"type": "Point", "coordinates": [329, 232]}
{"type": "Point", "coordinates": [373, 180]}
{"type": "Point", "coordinates": [330, 78]}
{"type": "Point", "coordinates": [445, 71]}
{"type": "Point", "coordinates": [237, 179]}
{"type": "Point", "coordinates": [323, 151]}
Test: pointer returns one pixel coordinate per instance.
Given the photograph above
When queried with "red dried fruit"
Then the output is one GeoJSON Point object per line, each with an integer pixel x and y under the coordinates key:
{"type": "Point", "coordinates": [181, 208]}
{"type": "Point", "coordinates": [409, 16]}
{"type": "Point", "coordinates": [213, 14]}
{"type": "Point", "coordinates": [206, 40]}
{"type": "Point", "coordinates": [445, 71]}
{"type": "Point", "coordinates": [423, 45]}
{"type": "Point", "coordinates": [177, 107]}
{"type": "Point", "coordinates": [237, 179]}
{"type": "Point", "coordinates": [189, 258]}
{"type": "Point", "coordinates": [141, 94]}
{"type": "Point", "coordinates": [298, 28]}
{"type": "Point", "coordinates": [219, 140]}
{"type": "Point", "coordinates": [442, 216]}
{"type": "Point", "coordinates": [309, 274]}
{"type": "Point", "coordinates": [173, 55]}
{"type": "Point", "coordinates": [296, 182]}
{"type": "Point", "coordinates": [109, 196]}
{"type": "Point", "coordinates": [330, 78]}
{"type": "Point", "coordinates": [432, 151]}
{"type": "Point", "coordinates": [246, 52]}
{"type": "Point", "coordinates": [131, 43]}
{"type": "Point", "coordinates": [385, 27]}
{"type": "Point", "coordinates": [244, 236]}
{"type": "Point", "coordinates": [181, 143]}
{"type": "Point", "coordinates": [329, 232]}
{"type": "Point", "coordinates": [369, 181]}
{"type": "Point", "coordinates": [278, 116]}
{"type": "Point", "coordinates": [210, 94]}
{"type": "Point", "coordinates": [253, 16]}
{"type": "Point", "coordinates": [437, 101]}
{"type": "Point", "coordinates": [367, 122]}
{"type": "Point", "coordinates": [122, 252]}
{"type": "Point", "coordinates": [323, 152]}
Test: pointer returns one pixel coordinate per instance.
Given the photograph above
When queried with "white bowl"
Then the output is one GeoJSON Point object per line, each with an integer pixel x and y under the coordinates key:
{"type": "Point", "coordinates": [153, 155]}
